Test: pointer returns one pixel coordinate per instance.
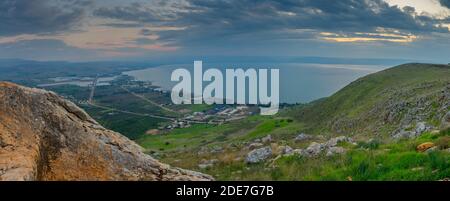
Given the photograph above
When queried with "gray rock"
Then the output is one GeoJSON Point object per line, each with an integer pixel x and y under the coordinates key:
{"type": "Point", "coordinates": [314, 149]}
{"type": "Point", "coordinates": [286, 150]}
{"type": "Point", "coordinates": [302, 137]}
{"type": "Point", "coordinates": [335, 150]}
{"type": "Point", "coordinates": [259, 155]}
{"type": "Point", "coordinates": [266, 139]}
{"type": "Point", "coordinates": [421, 127]}
{"type": "Point", "coordinates": [404, 134]}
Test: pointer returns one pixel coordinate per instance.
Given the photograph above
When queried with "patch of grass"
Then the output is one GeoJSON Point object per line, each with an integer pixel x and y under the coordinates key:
{"type": "Point", "coordinates": [372, 144]}
{"type": "Point", "coordinates": [266, 127]}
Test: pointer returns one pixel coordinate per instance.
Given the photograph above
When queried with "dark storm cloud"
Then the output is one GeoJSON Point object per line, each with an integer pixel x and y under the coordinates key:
{"type": "Point", "coordinates": [224, 19]}
{"type": "Point", "coordinates": [40, 16]}
{"type": "Point", "coordinates": [445, 3]}
{"type": "Point", "coordinates": [135, 12]}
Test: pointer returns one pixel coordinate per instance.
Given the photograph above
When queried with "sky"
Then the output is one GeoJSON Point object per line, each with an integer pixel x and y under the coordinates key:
{"type": "Point", "coordinates": [89, 30]}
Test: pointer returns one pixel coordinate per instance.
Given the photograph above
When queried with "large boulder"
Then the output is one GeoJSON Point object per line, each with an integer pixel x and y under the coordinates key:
{"type": "Point", "coordinates": [314, 149]}
{"type": "Point", "coordinates": [45, 137]}
{"type": "Point", "coordinates": [259, 155]}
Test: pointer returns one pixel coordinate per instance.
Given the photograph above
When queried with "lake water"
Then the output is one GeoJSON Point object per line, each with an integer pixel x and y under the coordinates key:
{"type": "Point", "coordinates": [299, 82]}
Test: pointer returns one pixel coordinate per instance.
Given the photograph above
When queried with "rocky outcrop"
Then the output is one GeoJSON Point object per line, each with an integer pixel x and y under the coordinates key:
{"type": "Point", "coordinates": [45, 137]}
{"type": "Point", "coordinates": [419, 129]}
{"type": "Point", "coordinates": [330, 146]}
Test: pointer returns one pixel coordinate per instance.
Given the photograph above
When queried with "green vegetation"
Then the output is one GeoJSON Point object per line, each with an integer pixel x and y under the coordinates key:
{"type": "Point", "coordinates": [359, 106]}
{"type": "Point", "coordinates": [372, 107]}
{"type": "Point", "coordinates": [391, 161]}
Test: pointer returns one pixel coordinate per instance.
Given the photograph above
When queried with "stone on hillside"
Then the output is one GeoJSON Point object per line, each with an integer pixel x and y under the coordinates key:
{"type": "Point", "coordinates": [285, 150]}
{"type": "Point", "coordinates": [259, 155]}
{"type": "Point", "coordinates": [425, 146]}
{"type": "Point", "coordinates": [404, 134]}
{"type": "Point", "coordinates": [302, 137]}
{"type": "Point", "coordinates": [335, 150]}
{"type": "Point", "coordinates": [314, 149]}
{"type": "Point", "coordinates": [266, 139]}
{"type": "Point", "coordinates": [420, 128]}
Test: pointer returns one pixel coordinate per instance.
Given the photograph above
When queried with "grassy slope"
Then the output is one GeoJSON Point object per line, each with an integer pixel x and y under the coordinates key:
{"type": "Point", "coordinates": [355, 102]}
{"type": "Point", "coordinates": [384, 160]}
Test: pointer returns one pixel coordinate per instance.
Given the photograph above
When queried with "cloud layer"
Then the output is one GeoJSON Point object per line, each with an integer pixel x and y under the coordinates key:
{"type": "Point", "coordinates": [199, 27]}
{"type": "Point", "coordinates": [222, 19]}
{"type": "Point", "coordinates": [40, 16]}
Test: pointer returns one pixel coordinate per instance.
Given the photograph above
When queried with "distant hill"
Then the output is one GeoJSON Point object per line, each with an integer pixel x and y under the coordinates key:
{"type": "Point", "coordinates": [383, 103]}
{"type": "Point", "coordinates": [31, 73]}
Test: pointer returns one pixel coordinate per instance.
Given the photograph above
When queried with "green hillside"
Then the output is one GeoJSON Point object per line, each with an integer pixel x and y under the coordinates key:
{"type": "Point", "coordinates": [386, 114]}
{"type": "Point", "coordinates": [382, 102]}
